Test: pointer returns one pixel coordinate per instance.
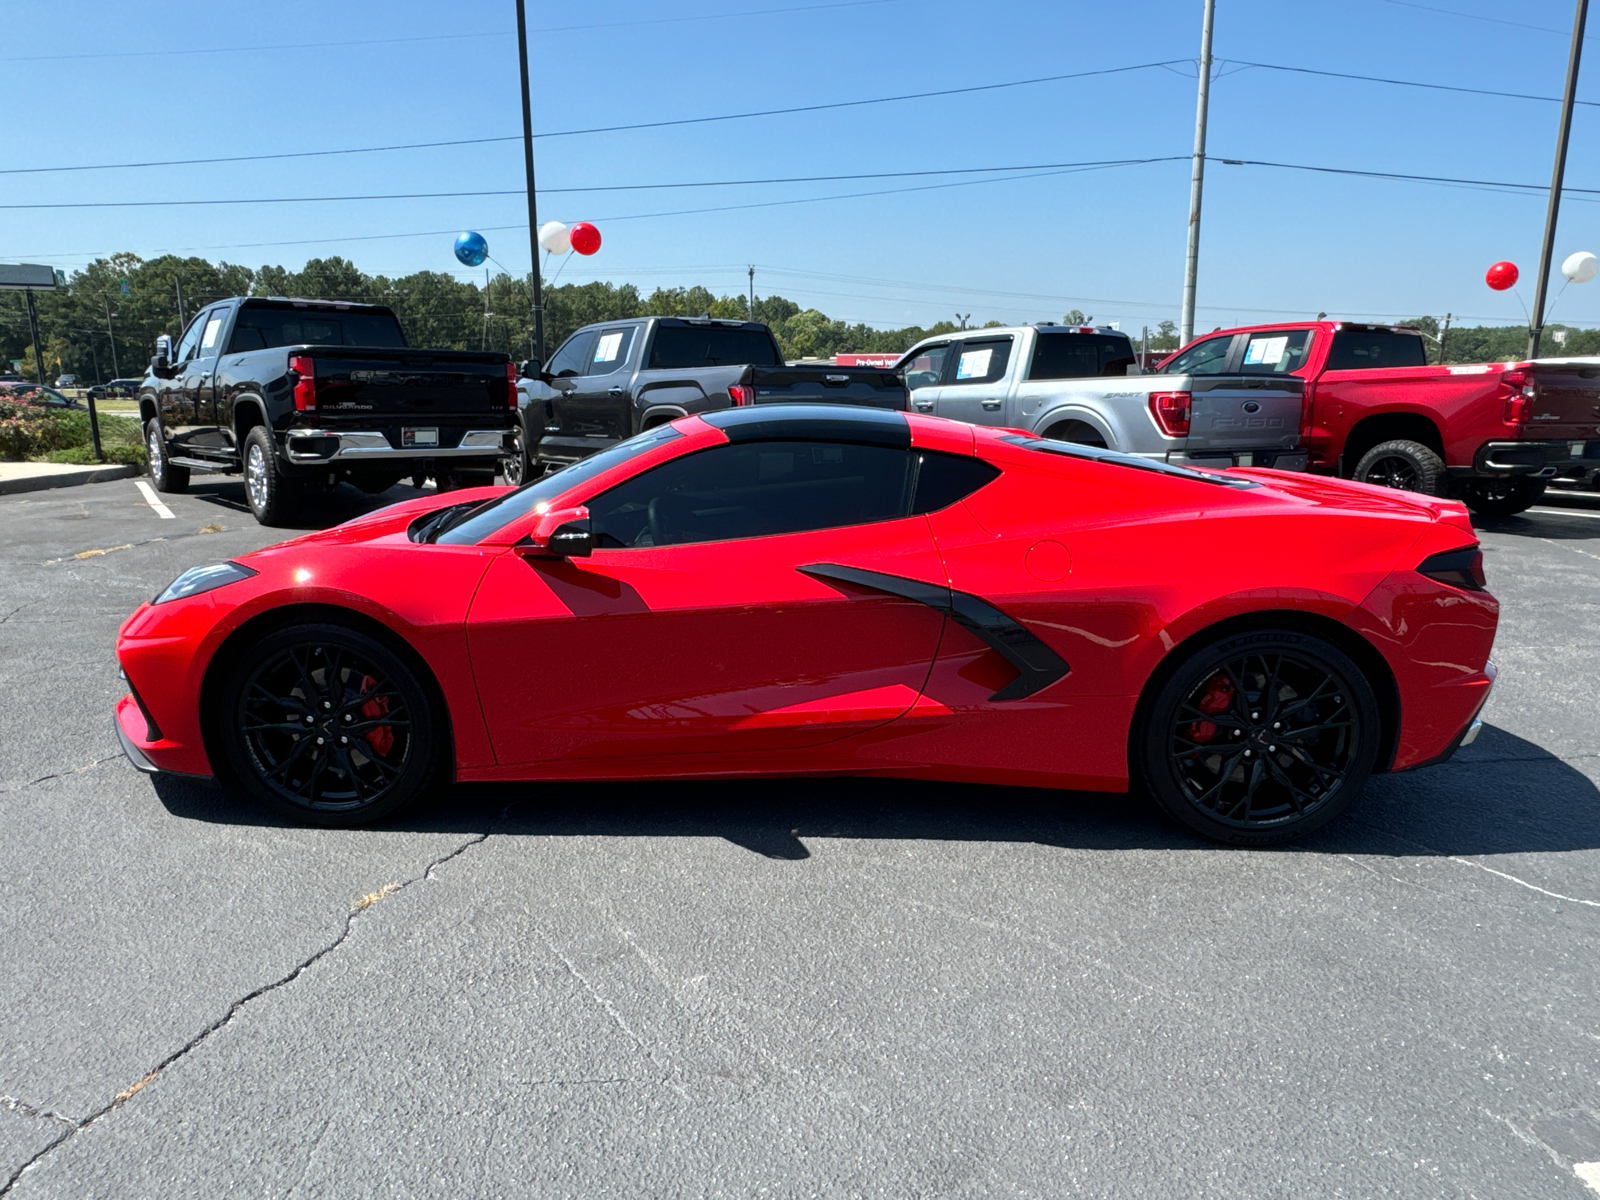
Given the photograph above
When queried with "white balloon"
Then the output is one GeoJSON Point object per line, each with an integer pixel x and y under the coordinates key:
{"type": "Point", "coordinates": [553, 237]}
{"type": "Point", "coordinates": [1581, 267]}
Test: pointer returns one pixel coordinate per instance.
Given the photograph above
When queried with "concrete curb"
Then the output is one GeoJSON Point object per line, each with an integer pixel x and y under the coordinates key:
{"type": "Point", "coordinates": [34, 482]}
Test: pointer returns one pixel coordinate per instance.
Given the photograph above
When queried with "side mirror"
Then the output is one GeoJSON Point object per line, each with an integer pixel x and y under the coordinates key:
{"type": "Point", "coordinates": [161, 364]}
{"type": "Point", "coordinates": [530, 369]}
{"type": "Point", "coordinates": [559, 533]}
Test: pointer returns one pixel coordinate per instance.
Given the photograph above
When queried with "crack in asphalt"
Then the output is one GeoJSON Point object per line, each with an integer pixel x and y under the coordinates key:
{"type": "Point", "coordinates": [357, 909]}
{"type": "Point", "coordinates": [88, 766]}
{"type": "Point", "coordinates": [42, 1114]}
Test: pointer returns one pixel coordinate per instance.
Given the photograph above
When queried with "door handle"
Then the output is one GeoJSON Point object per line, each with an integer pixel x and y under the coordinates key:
{"type": "Point", "coordinates": [924, 405]}
{"type": "Point", "coordinates": [617, 391]}
{"type": "Point", "coordinates": [992, 405]}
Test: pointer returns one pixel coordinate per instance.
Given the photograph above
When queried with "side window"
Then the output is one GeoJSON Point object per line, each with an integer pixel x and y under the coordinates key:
{"type": "Point", "coordinates": [927, 368]}
{"type": "Point", "coordinates": [1064, 356]}
{"type": "Point", "coordinates": [191, 339]}
{"type": "Point", "coordinates": [1276, 353]}
{"type": "Point", "coordinates": [1209, 357]}
{"type": "Point", "coordinates": [982, 362]}
{"type": "Point", "coordinates": [611, 348]}
{"type": "Point", "coordinates": [212, 334]}
{"type": "Point", "coordinates": [755, 489]}
{"type": "Point", "coordinates": [573, 357]}
{"type": "Point", "coordinates": [1362, 350]}
{"type": "Point", "coordinates": [942, 479]}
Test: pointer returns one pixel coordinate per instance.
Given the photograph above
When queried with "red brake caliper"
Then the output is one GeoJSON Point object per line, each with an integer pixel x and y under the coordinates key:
{"type": "Point", "coordinates": [1215, 699]}
{"type": "Point", "coordinates": [381, 737]}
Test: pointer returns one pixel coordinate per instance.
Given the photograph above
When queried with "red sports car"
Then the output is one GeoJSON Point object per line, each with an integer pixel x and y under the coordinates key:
{"type": "Point", "coordinates": [800, 590]}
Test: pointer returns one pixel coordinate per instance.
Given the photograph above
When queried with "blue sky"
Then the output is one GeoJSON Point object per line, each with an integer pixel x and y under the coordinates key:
{"type": "Point", "coordinates": [1276, 244]}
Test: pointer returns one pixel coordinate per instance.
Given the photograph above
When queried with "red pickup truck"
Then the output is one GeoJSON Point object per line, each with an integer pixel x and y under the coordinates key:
{"type": "Point", "coordinates": [1489, 434]}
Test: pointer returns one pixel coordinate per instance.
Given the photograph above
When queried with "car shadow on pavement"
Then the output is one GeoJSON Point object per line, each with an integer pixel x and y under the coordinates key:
{"type": "Point", "coordinates": [321, 510]}
{"type": "Point", "coordinates": [1501, 795]}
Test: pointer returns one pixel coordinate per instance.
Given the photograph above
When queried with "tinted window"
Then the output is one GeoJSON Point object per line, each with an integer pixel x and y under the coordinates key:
{"type": "Point", "coordinates": [926, 367]}
{"type": "Point", "coordinates": [1079, 356]}
{"type": "Point", "coordinates": [573, 357]}
{"type": "Point", "coordinates": [942, 479]}
{"type": "Point", "coordinates": [1358, 350]}
{"type": "Point", "coordinates": [496, 514]}
{"type": "Point", "coordinates": [1275, 353]}
{"type": "Point", "coordinates": [208, 340]}
{"type": "Point", "coordinates": [678, 346]}
{"type": "Point", "coordinates": [191, 339]}
{"type": "Point", "coordinates": [755, 489]}
{"type": "Point", "coordinates": [982, 362]}
{"type": "Point", "coordinates": [1209, 357]}
{"type": "Point", "coordinates": [611, 350]}
{"type": "Point", "coordinates": [267, 328]}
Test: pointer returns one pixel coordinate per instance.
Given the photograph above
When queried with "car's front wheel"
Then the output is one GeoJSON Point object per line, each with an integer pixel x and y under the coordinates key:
{"type": "Point", "coordinates": [163, 474]}
{"type": "Point", "coordinates": [1259, 737]}
{"type": "Point", "coordinates": [329, 726]}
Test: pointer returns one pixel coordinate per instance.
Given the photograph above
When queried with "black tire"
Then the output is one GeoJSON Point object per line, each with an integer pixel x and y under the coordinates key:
{"type": "Point", "coordinates": [376, 485]}
{"type": "Point", "coordinates": [1405, 465]}
{"type": "Point", "coordinates": [1281, 782]}
{"type": "Point", "coordinates": [326, 681]}
{"type": "Point", "coordinates": [272, 494]}
{"type": "Point", "coordinates": [520, 468]}
{"type": "Point", "coordinates": [165, 476]}
{"type": "Point", "coordinates": [1501, 497]}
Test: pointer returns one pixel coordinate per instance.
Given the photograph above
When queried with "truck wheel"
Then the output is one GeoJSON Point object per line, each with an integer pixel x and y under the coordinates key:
{"type": "Point", "coordinates": [519, 468]}
{"type": "Point", "coordinates": [1501, 497]}
{"type": "Point", "coordinates": [163, 474]}
{"type": "Point", "coordinates": [271, 493]}
{"type": "Point", "coordinates": [1403, 464]}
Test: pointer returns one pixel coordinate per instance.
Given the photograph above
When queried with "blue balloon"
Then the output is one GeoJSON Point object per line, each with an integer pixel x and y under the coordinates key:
{"type": "Point", "coordinates": [472, 249]}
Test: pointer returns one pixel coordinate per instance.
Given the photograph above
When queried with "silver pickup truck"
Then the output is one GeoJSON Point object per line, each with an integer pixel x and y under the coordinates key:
{"type": "Point", "coordinates": [1229, 407]}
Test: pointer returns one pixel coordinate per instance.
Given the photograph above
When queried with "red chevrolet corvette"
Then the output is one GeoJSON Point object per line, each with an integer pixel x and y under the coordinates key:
{"type": "Point", "coordinates": [799, 590]}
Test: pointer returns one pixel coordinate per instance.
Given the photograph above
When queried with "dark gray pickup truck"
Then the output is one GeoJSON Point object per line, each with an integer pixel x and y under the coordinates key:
{"type": "Point", "coordinates": [301, 394]}
{"type": "Point", "coordinates": [612, 380]}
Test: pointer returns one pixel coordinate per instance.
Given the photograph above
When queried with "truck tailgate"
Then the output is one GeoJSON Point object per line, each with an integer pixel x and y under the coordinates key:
{"type": "Point", "coordinates": [1243, 412]}
{"type": "Point", "coordinates": [358, 382]}
{"type": "Point", "coordinates": [872, 387]}
{"type": "Point", "coordinates": [1566, 401]}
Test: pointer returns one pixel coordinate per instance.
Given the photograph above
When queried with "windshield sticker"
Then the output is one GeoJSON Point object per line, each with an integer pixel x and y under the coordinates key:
{"type": "Point", "coordinates": [607, 348]}
{"type": "Point", "coordinates": [1265, 351]}
{"type": "Point", "coordinates": [974, 364]}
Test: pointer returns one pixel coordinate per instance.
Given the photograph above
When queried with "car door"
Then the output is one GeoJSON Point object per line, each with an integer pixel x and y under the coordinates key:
{"type": "Point", "coordinates": [705, 621]}
{"type": "Point", "coordinates": [975, 385]}
{"type": "Point", "coordinates": [179, 417]}
{"type": "Point", "coordinates": [199, 375]}
{"type": "Point", "coordinates": [597, 403]}
{"type": "Point", "coordinates": [924, 374]}
{"type": "Point", "coordinates": [566, 370]}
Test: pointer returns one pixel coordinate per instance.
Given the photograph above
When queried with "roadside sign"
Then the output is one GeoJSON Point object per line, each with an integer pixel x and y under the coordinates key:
{"type": "Point", "coordinates": [124, 287]}
{"type": "Point", "coordinates": [23, 276]}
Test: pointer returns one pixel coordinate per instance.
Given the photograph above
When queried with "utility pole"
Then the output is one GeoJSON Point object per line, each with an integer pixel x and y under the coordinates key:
{"type": "Point", "coordinates": [1197, 178]}
{"type": "Point", "coordinates": [752, 291]}
{"type": "Point", "coordinates": [183, 319]}
{"type": "Point", "coordinates": [33, 329]}
{"type": "Point", "coordinates": [111, 336]}
{"type": "Point", "coordinates": [486, 308]}
{"type": "Point", "coordinates": [1536, 321]}
{"type": "Point", "coordinates": [1443, 335]}
{"type": "Point", "coordinates": [533, 206]}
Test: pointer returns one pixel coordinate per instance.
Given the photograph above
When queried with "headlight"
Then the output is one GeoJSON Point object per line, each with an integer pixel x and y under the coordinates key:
{"type": "Point", "coordinates": [203, 579]}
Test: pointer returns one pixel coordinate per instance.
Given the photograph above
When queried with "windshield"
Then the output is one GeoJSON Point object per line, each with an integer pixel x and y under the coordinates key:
{"type": "Point", "coordinates": [677, 347]}
{"type": "Point", "coordinates": [475, 524]}
{"type": "Point", "coordinates": [1117, 458]}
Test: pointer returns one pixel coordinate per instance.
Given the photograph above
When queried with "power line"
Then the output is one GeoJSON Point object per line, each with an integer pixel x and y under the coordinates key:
{"type": "Point", "coordinates": [1450, 12]}
{"type": "Point", "coordinates": [446, 37]}
{"type": "Point", "coordinates": [624, 187]}
{"type": "Point", "coordinates": [1437, 87]}
{"type": "Point", "coordinates": [1519, 189]}
{"type": "Point", "coordinates": [738, 116]}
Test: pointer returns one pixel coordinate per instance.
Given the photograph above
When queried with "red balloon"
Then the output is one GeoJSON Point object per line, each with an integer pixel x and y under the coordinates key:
{"type": "Point", "coordinates": [585, 239]}
{"type": "Point", "coordinates": [1501, 276]}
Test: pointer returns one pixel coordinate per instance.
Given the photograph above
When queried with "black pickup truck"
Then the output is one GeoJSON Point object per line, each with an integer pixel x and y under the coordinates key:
{"type": "Point", "coordinates": [301, 394]}
{"type": "Point", "coordinates": [612, 380]}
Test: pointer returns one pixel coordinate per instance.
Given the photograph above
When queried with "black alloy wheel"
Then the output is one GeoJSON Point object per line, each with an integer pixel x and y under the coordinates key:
{"type": "Point", "coordinates": [329, 726]}
{"type": "Point", "coordinates": [1260, 738]}
{"type": "Point", "coordinates": [1502, 497]}
{"type": "Point", "coordinates": [1405, 465]}
{"type": "Point", "coordinates": [519, 468]}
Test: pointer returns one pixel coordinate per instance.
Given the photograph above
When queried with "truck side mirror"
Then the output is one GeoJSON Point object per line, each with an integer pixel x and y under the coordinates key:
{"type": "Point", "coordinates": [161, 364]}
{"type": "Point", "coordinates": [559, 533]}
{"type": "Point", "coordinates": [530, 369]}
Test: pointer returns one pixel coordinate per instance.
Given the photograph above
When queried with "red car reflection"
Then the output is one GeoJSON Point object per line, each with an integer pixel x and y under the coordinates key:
{"type": "Point", "coordinates": [794, 590]}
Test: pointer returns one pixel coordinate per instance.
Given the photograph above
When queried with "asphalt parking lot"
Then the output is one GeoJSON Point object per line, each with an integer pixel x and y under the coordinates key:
{"type": "Point", "coordinates": [814, 988]}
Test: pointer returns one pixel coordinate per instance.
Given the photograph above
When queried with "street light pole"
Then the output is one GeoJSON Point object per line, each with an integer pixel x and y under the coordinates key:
{"type": "Point", "coordinates": [111, 336]}
{"type": "Point", "coordinates": [33, 328]}
{"type": "Point", "coordinates": [1536, 321]}
{"type": "Point", "coordinates": [533, 205]}
{"type": "Point", "coordinates": [1197, 179]}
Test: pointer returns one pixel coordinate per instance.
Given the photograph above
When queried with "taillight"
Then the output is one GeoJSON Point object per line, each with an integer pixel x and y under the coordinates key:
{"type": "Point", "coordinates": [1519, 397]}
{"type": "Point", "coordinates": [305, 387]}
{"type": "Point", "coordinates": [1461, 568]}
{"type": "Point", "coordinates": [1171, 411]}
{"type": "Point", "coordinates": [742, 394]}
{"type": "Point", "coordinates": [511, 384]}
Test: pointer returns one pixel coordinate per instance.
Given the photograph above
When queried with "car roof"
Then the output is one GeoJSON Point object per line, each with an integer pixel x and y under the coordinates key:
{"type": "Point", "coordinates": [812, 423]}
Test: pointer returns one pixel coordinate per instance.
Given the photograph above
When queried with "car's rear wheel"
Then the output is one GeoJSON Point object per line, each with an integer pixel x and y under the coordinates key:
{"type": "Point", "coordinates": [329, 726]}
{"type": "Point", "coordinates": [1403, 464]}
{"type": "Point", "coordinates": [163, 474]}
{"type": "Point", "coordinates": [1259, 737]}
{"type": "Point", "coordinates": [271, 493]}
{"type": "Point", "coordinates": [519, 468]}
{"type": "Point", "coordinates": [1501, 497]}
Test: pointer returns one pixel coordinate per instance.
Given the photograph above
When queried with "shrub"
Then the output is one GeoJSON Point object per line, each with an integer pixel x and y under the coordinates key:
{"type": "Point", "coordinates": [34, 431]}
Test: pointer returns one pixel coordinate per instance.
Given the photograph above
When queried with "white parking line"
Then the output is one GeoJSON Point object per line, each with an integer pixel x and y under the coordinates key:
{"type": "Point", "coordinates": [1589, 1173]}
{"type": "Point", "coordinates": [1565, 512]}
{"type": "Point", "coordinates": [154, 501]}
